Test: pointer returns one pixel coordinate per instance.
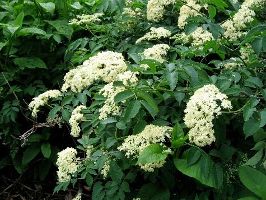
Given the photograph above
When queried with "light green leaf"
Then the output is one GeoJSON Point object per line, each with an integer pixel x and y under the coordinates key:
{"type": "Point", "coordinates": [254, 180]}
{"type": "Point", "coordinates": [31, 31]}
{"type": "Point", "coordinates": [152, 153]}
{"type": "Point", "coordinates": [48, 7]}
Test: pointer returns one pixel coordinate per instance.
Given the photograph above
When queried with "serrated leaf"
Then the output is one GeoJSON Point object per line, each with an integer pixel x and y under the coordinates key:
{"type": "Point", "coordinates": [115, 172]}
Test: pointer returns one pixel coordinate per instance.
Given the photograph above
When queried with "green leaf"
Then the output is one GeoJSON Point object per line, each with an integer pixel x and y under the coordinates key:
{"type": "Point", "coordinates": [152, 153]}
{"type": "Point", "coordinates": [149, 103]}
{"type": "Point", "coordinates": [132, 110]}
{"type": "Point", "coordinates": [46, 150]}
{"type": "Point", "coordinates": [251, 127]}
{"type": "Point", "coordinates": [171, 75]}
{"type": "Point", "coordinates": [115, 172]}
{"type": "Point", "coordinates": [122, 96]}
{"type": "Point", "coordinates": [254, 180]}
{"type": "Point", "coordinates": [255, 159]}
{"type": "Point", "coordinates": [19, 19]}
{"type": "Point", "coordinates": [263, 118]}
{"type": "Point", "coordinates": [211, 11]}
{"type": "Point", "coordinates": [62, 27]}
{"type": "Point", "coordinates": [153, 192]}
{"type": "Point", "coordinates": [204, 169]}
{"type": "Point", "coordinates": [259, 45]}
{"type": "Point", "coordinates": [48, 7]}
{"type": "Point", "coordinates": [29, 62]}
{"type": "Point", "coordinates": [98, 191]}
{"type": "Point", "coordinates": [89, 180]}
{"type": "Point", "coordinates": [248, 198]}
{"type": "Point", "coordinates": [30, 153]}
{"type": "Point", "coordinates": [31, 31]}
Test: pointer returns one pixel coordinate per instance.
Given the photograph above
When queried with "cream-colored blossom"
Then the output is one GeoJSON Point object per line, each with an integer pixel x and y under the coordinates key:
{"type": "Point", "coordinates": [110, 108]}
{"type": "Point", "coordinates": [128, 78]}
{"type": "Point", "coordinates": [206, 104]}
{"type": "Point", "coordinates": [190, 9]}
{"type": "Point", "coordinates": [200, 36]}
{"type": "Point", "coordinates": [75, 119]}
{"type": "Point", "coordinates": [86, 19]}
{"type": "Point", "coordinates": [41, 100]}
{"type": "Point", "coordinates": [106, 168]}
{"type": "Point", "coordinates": [78, 196]}
{"type": "Point", "coordinates": [104, 66]}
{"type": "Point", "coordinates": [151, 134]}
{"type": "Point", "coordinates": [132, 12]}
{"type": "Point", "coordinates": [233, 28]}
{"type": "Point", "coordinates": [156, 9]}
{"type": "Point", "coordinates": [247, 53]}
{"type": "Point", "coordinates": [157, 52]}
{"type": "Point", "coordinates": [155, 34]}
{"type": "Point", "coordinates": [67, 163]}
{"type": "Point", "coordinates": [232, 63]}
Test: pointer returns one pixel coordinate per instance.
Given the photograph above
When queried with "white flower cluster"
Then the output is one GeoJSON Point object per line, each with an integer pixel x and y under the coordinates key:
{"type": "Point", "coordinates": [67, 163]}
{"type": "Point", "coordinates": [155, 34]}
{"type": "Point", "coordinates": [190, 9]}
{"type": "Point", "coordinates": [151, 134]}
{"type": "Point", "coordinates": [110, 107]}
{"type": "Point", "coordinates": [104, 66]}
{"type": "Point", "coordinates": [78, 196]}
{"type": "Point", "coordinates": [247, 53]}
{"type": "Point", "coordinates": [156, 9]}
{"type": "Point", "coordinates": [86, 19]}
{"type": "Point", "coordinates": [232, 63]}
{"type": "Point", "coordinates": [202, 108]}
{"type": "Point", "coordinates": [106, 168]}
{"type": "Point", "coordinates": [157, 52]}
{"type": "Point", "coordinates": [75, 119]}
{"type": "Point", "coordinates": [200, 36]}
{"type": "Point", "coordinates": [245, 15]}
{"type": "Point", "coordinates": [41, 100]}
{"type": "Point", "coordinates": [132, 12]}
{"type": "Point", "coordinates": [128, 78]}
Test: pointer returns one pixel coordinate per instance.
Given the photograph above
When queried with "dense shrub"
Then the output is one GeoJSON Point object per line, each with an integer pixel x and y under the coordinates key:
{"type": "Point", "coordinates": [137, 99]}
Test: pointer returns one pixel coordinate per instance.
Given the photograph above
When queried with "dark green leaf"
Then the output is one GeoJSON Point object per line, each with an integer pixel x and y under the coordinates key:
{"type": "Point", "coordinates": [46, 150]}
{"type": "Point", "coordinates": [30, 153]}
{"type": "Point", "coordinates": [132, 110]}
{"type": "Point", "coordinates": [29, 62]}
{"type": "Point", "coordinates": [122, 96]}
